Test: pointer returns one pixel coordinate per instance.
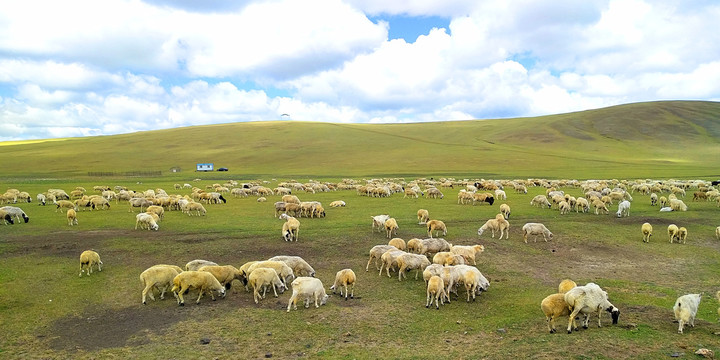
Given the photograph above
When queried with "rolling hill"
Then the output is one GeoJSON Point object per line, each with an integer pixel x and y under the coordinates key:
{"type": "Point", "coordinates": [679, 139]}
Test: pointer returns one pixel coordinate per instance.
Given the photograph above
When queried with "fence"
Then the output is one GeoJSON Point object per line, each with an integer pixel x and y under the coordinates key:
{"type": "Point", "coordinates": [126, 173]}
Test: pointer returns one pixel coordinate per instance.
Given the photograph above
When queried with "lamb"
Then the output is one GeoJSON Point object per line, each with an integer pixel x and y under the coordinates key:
{"type": "Point", "coordinates": [678, 205]}
{"type": "Point", "coordinates": [158, 277]}
{"type": "Point", "coordinates": [205, 282]}
{"type": "Point", "coordinates": [588, 299]}
{"type": "Point", "coordinates": [682, 234]}
{"type": "Point", "coordinates": [376, 253]}
{"type": "Point", "coordinates": [423, 216]}
{"type": "Point", "coordinates": [379, 221]}
{"type": "Point", "coordinates": [433, 245]}
{"type": "Point", "coordinates": [600, 205]}
{"type": "Point", "coordinates": [298, 265]}
{"type": "Point", "coordinates": [88, 259]}
{"type": "Point", "coordinates": [261, 278]}
{"type": "Point", "coordinates": [345, 278]}
{"type": "Point", "coordinates": [646, 231]}
{"type": "Point", "coordinates": [468, 252]}
{"type": "Point", "coordinates": [554, 306]}
{"type": "Point", "coordinates": [673, 232]}
{"type": "Point", "coordinates": [623, 209]}
{"type": "Point", "coordinates": [72, 217]}
{"type": "Point", "coordinates": [15, 212]}
{"type": "Point", "coordinates": [540, 201]}
{"type": "Point", "coordinates": [391, 227]}
{"type": "Point", "coordinates": [685, 310]}
{"type": "Point", "coordinates": [407, 262]}
{"type": "Point", "coordinates": [536, 229]}
{"type": "Point", "coordinates": [225, 274]}
{"type": "Point", "coordinates": [566, 285]}
{"type": "Point", "coordinates": [145, 220]}
{"type": "Point", "coordinates": [6, 218]}
{"type": "Point", "coordinates": [291, 229]}
{"type": "Point", "coordinates": [505, 210]}
{"type": "Point", "coordinates": [398, 243]}
{"type": "Point", "coordinates": [436, 290]}
{"type": "Point", "coordinates": [305, 288]}
{"type": "Point", "coordinates": [195, 265]}
{"type": "Point", "coordinates": [337, 203]}
{"type": "Point", "coordinates": [283, 270]}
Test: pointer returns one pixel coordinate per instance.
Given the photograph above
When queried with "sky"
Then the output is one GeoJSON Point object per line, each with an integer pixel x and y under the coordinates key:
{"type": "Point", "coordinates": [85, 67]}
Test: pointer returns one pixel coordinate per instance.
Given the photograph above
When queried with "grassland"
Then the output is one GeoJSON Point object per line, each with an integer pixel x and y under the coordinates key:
{"type": "Point", "coordinates": [47, 311]}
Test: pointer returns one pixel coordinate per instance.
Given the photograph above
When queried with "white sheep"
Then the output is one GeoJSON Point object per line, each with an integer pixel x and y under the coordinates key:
{"type": "Point", "coordinates": [433, 245]}
{"type": "Point", "coordinates": [298, 265]}
{"type": "Point", "coordinates": [343, 279]}
{"type": "Point", "coordinates": [284, 271]}
{"type": "Point", "coordinates": [436, 290]}
{"type": "Point", "coordinates": [653, 199]}
{"type": "Point", "coordinates": [140, 202]}
{"type": "Point", "coordinates": [581, 203]}
{"type": "Point", "coordinates": [195, 265]}
{"type": "Point", "coordinates": [468, 252]}
{"type": "Point", "coordinates": [646, 231]}
{"type": "Point", "coordinates": [291, 229]}
{"type": "Point", "coordinates": [505, 210]}
{"type": "Point", "coordinates": [262, 278]}
{"type": "Point", "coordinates": [678, 205]}
{"type": "Point", "coordinates": [391, 227]}
{"type": "Point", "coordinates": [588, 299]}
{"type": "Point", "coordinates": [423, 216]}
{"type": "Point", "coordinates": [554, 306]}
{"type": "Point", "coordinates": [41, 198]}
{"type": "Point", "coordinates": [536, 229]}
{"type": "Point", "coordinates": [305, 289]}
{"type": "Point", "coordinates": [159, 277]}
{"type": "Point", "coordinates": [88, 259]}
{"type": "Point", "coordinates": [623, 209]}
{"type": "Point", "coordinates": [205, 282]}
{"type": "Point", "coordinates": [500, 194]}
{"type": "Point", "coordinates": [72, 217]}
{"type": "Point", "coordinates": [389, 260]}
{"type": "Point", "coordinates": [337, 203]}
{"type": "Point", "coordinates": [376, 253]}
{"type": "Point", "coordinates": [145, 221]}
{"type": "Point", "coordinates": [540, 201]}
{"type": "Point", "coordinates": [501, 225]}
{"type": "Point", "coordinates": [196, 207]}
{"type": "Point", "coordinates": [673, 231]}
{"type": "Point", "coordinates": [471, 277]}
{"type": "Point", "coordinates": [685, 310]}
{"type": "Point", "coordinates": [379, 222]}
{"type": "Point", "coordinates": [408, 262]}
{"type": "Point", "coordinates": [16, 212]}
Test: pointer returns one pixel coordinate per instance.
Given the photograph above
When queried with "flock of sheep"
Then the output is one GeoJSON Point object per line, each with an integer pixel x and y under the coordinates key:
{"type": "Point", "coordinates": [444, 266]}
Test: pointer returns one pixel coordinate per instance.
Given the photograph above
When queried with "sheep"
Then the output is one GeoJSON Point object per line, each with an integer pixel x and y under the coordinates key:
{"type": "Point", "coordinates": [414, 245]}
{"type": "Point", "coordinates": [554, 306]}
{"type": "Point", "coordinates": [291, 229]}
{"type": "Point", "coordinates": [407, 262]}
{"type": "Point", "coordinates": [436, 226]}
{"type": "Point", "coordinates": [158, 277]}
{"type": "Point", "coordinates": [225, 274]}
{"type": "Point", "coordinates": [157, 210]}
{"type": "Point", "coordinates": [15, 212]}
{"type": "Point", "coordinates": [423, 216]}
{"type": "Point", "coordinates": [434, 193]}
{"type": "Point", "coordinates": [442, 257]}
{"type": "Point", "coordinates": [505, 210]}
{"type": "Point", "coordinates": [345, 278]}
{"type": "Point", "coordinates": [144, 220]}
{"type": "Point", "coordinates": [653, 199]}
{"type": "Point", "coordinates": [646, 231]}
{"type": "Point", "coordinates": [391, 227]}
{"type": "Point", "coordinates": [41, 198]}
{"type": "Point", "coordinates": [497, 224]}
{"type": "Point", "coordinates": [298, 265]}
{"type": "Point", "coordinates": [536, 229]}
{"type": "Point", "coordinates": [540, 201]}
{"type": "Point", "coordinates": [284, 271]}
{"type": "Point", "coordinates": [376, 253]}
{"type": "Point", "coordinates": [685, 310]}
{"type": "Point", "coordinates": [291, 199]}
{"type": "Point", "coordinates": [99, 202]}
{"type": "Point", "coordinates": [566, 285]}
{"type": "Point", "coordinates": [663, 201]}
{"type": "Point", "coordinates": [72, 217]}
{"type": "Point", "coordinates": [196, 207]}
{"type": "Point", "coordinates": [398, 243]}
{"type": "Point", "coordinates": [195, 265]}
{"type": "Point", "coordinates": [6, 218]}
{"type": "Point", "coordinates": [473, 280]}
{"type": "Point", "coordinates": [379, 222]}
{"type": "Point", "coordinates": [682, 234]}
{"type": "Point", "coordinates": [600, 205]}
{"type": "Point", "coordinates": [205, 282]}
{"type": "Point", "coordinates": [261, 278]}
{"type": "Point", "coordinates": [337, 203]}
{"type": "Point", "coordinates": [582, 203]}
{"type": "Point", "coordinates": [436, 290]}
{"type": "Point", "coordinates": [588, 299]}
{"type": "Point", "coordinates": [500, 194]}
{"type": "Point", "coordinates": [672, 232]}
{"type": "Point", "coordinates": [140, 202]}
{"type": "Point", "coordinates": [483, 197]}
{"type": "Point", "coordinates": [409, 192]}
{"type": "Point", "coordinates": [468, 252]}
{"type": "Point", "coordinates": [88, 259]}
{"type": "Point", "coordinates": [305, 288]}
{"type": "Point", "coordinates": [678, 205]}
{"type": "Point", "coordinates": [389, 260]}
{"type": "Point", "coordinates": [433, 245]}
{"type": "Point", "coordinates": [432, 270]}
{"type": "Point", "coordinates": [623, 208]}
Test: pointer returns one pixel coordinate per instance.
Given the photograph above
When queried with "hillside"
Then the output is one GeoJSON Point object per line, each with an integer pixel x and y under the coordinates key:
{"type": "Point", "coordinates": [654, 139]}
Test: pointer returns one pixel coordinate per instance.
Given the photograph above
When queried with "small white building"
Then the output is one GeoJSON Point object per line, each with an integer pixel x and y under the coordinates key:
{"type": "Point", "coordinates": [205, 167]}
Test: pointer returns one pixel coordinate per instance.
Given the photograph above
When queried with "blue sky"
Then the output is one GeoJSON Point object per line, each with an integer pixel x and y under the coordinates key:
{"type": "Point", "coordinates": [84, 68]}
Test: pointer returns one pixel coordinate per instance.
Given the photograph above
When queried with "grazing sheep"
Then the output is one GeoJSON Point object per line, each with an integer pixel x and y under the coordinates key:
{"type": "Point", "coordinates": [564, 207]}
{"type": "Point", "coordinates": [398, 243]}
{"type": "Point", "coordinates": [646, 231]}
{"type": "Point", "coordinates": [291, 229]}
{"type": "Point", "coordinates": [582, 204]}
{"type": "Point", "coordinates": [497, 224]}
{"type": "Point", "coordinates": [436, 290]}
{"type": "Point", "coordinates": [159, 277]}
{"type": "Point", "coordinates": [337, 203]}
{"type": "Point", "coordinates": [391, 227]}
{"type": "Point", "coordinates": [483, 197]}
{"type": "Point", "coordinates": [566, 285]}
{"type": "Point", "coordinates": [540, 201]}
{"type": "Point", "coordinates": [536, 229]}
{"type": "Point", "coordinates": [261, 199]}
{"type": "Point", "coordinates": [682, 234]}
{"type": "Point", "coordinates": [225, 274]}
{"type": "Point", "coordinates": [599, 205]}
{"type": "Point", "coordinates": [156, 210]}
{"type": "Point", "coordinates": [15, 212]}
{"type": "Point", "coordinates": [434, 193]}
{"type": "Point", "coordinates": [414, 245]}
{"type": "Point", "coordinates": [588, 299]}
{"type": "Point", "coordinates": [436, 226]}
{"type": "Point", "coordinates": [505, 210]}
{"type": "Point", "coordinates": [678, 205]}
{"type": "Point", "coordinates": [343, 279]}
{"type": "Point", "coordinates": [262, 278]}
{"type": "Point", "coordinates": [408, 262]}
{"type": "Point", "coordinates": [88, 259]}
{"type": "Point", "coordinates": [423, 216]}
{"type": "Point", "coordinates": [145, 220]}
{"type": "Point", "coordinates": [554, 306]}
{"type": "Point", "coordinates": [685, 310]}
{"type": "Point", "coordinates": [195, 265]}
{"type": "Point", "coordinates": [72, 217]}
{"type": "Point", "coordinates": [305, 289]}
{"type": "Point", "coordinates": [389, 260]}
{"type": "Point", "coordinates": [623, 209]}
{"type": "Point", "coordinates": [653, 199]}
{"type": "Point", "coordinates": [663, 201]}
{"type": "Point", "coordinates": [442, 257]}
{"type": "Point", "coordinates": [376, 253]}
{"type": "Point", "coordinates": [673, 232]}
{"type": "Point", "coordinates": [205, 282]}
{"type": "Point", "coordinates": [41, 198]}
{"type": "Point", "coordinates": [500, 194]}
{"type": "Point", "coordinates": [99, 202]}
{"type": "Point", "coordinates": [196, 207]}
{"type": "Point", "coordinates": [139, 202]}
{"type": "Point", "coordinates": [468, 252]}
{"type": "Point", "coordinates": [6, 218]}
{"type": "Point", "coordinates": [299, 266]}
{"type": "Point", "coordinates": [284, 271]}
{"type": "Point", "coordinates": [473, 280]}
{"type": "Point", "coordinates": [433, 246]}
{"type": "Point", "coordinates": [379, 222]}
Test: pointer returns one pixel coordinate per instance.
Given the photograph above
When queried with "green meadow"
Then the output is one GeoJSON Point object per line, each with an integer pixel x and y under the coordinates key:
{"type": "Point", "coordinates": [48, 312]}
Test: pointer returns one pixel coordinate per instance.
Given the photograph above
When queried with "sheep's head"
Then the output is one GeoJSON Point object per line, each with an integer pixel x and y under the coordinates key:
{"type": "Point", "coordinates": [9, 219]}
{"type": "Point", "coordinates": [155, 226]}
{"type": "Point", "coordinates": [614, 313]}
{"type": "Point", "coordinates": [288, 235]}
{"type": "Point", "coordinates": [324, 299]}
{"type": "Point", "coordinates": [480, 231]}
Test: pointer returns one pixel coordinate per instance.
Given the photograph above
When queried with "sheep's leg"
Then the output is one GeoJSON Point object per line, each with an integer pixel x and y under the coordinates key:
{"type": "Point", "coordinates": [571, 322]}
{"type": "Point", "coordinates": [264, 287]}
{"type": "Point", "coordinates": [200, 296]}
{"type": "Point", "coordinates": [144, 293]}
{"type": "Point", "coordinates": [180, 295]}
{"type": "Point", "coordinates": [428, 300]}
{"type": "Point", "coordinates": [367, 267]}
{"type": "Point", "coordinates": [401, 272]}
{"type": "Point", "coordinates": [352, 291]}
{"type": "Point", "coordinates": [600, 317]}
{"type": "Point", "coordinates": [680, 326]}
{"type": "Point", "coordinates": [275, 291]}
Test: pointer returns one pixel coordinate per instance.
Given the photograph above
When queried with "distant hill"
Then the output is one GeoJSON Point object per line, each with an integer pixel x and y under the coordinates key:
{"type": "Point", "coordinates": [677, 139]}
